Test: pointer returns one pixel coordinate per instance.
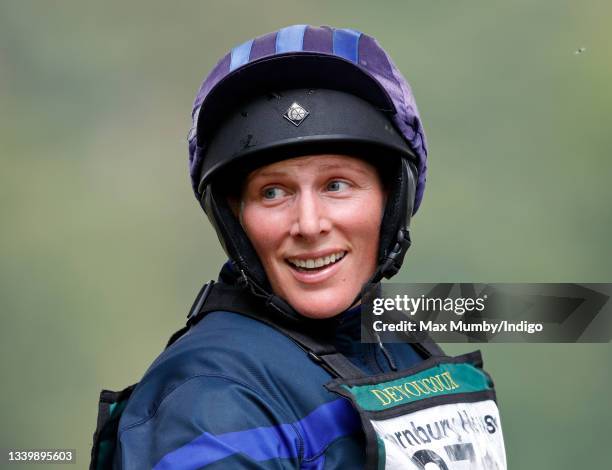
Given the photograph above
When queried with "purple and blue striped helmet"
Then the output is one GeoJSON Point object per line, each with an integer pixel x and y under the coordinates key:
{"type": "Point", "coordinates": [342, 64]}
{"type": "Point", "coordinates": [342, 59]}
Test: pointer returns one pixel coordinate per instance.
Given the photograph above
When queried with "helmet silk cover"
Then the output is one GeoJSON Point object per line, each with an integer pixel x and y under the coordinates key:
{"type": "Point", "coordinates": [371, 75]}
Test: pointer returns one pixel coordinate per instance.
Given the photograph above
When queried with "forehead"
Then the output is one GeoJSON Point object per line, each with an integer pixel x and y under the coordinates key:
{"type": "Point", "coordinates": [318, 163]}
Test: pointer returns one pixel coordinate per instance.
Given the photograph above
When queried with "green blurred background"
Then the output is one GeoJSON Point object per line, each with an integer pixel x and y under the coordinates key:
{"type": "Point", "coordinates": [103, 247]}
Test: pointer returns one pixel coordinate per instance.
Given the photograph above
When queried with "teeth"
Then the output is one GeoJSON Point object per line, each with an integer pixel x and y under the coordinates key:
{"type": "Point", "coordinates": [317, 262]}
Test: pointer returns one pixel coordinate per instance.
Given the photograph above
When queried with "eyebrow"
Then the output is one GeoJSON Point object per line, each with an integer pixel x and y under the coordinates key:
{"type": "Point", "coordinates": [267, 173]}
{"type": "Point", "coordinates": [339, 166]}
{"type": "Point", "coordinates": [327, 166]}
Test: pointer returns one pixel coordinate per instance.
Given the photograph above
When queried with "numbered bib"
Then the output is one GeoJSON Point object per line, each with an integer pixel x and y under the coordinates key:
{"type": "Point", "coordinates": [441, 414]}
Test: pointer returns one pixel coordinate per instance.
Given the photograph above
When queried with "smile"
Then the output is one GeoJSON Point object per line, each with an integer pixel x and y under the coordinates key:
{"type": "Point", "coordinates": [314, 264]}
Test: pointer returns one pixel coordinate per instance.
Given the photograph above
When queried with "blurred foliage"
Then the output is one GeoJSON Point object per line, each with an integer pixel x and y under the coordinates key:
{"type": "Point", "coordinates": [103, 247]}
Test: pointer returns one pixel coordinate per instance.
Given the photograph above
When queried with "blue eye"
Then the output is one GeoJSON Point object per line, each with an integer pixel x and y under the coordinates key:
{"type": "Point", "coordinates": [336, 185]}
{"type": "Point", "coordinates": [272, 192]}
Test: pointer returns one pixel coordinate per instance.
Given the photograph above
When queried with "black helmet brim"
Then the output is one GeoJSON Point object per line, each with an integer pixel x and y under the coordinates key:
{"type": "Point", "coordinates": [289, 70]}
{"type": "Point", "coordinates": [259, 131]}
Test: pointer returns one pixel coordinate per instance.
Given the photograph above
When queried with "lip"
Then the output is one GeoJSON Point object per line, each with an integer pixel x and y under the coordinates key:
{"type": "Point", "coordinates": [316, 254]}
{"type": "Point", "coordinates": [321, 275]}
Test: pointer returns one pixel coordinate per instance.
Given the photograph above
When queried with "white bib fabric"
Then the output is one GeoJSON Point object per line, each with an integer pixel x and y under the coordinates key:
{"type": "Point", "coordinates": [458, 436]}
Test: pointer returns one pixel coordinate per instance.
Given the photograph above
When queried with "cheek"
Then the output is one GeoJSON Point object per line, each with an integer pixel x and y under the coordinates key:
{"type": "Point", "coordinates": [362, 221]}
{"type": "Point", "coordinates": [264, 230]}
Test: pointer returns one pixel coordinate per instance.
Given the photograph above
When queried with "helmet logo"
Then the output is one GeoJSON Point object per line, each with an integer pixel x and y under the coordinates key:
{"type": "Point", "coordinates": [296, 114]}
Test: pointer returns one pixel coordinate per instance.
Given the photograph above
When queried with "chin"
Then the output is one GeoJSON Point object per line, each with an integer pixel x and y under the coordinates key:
{"type": "Point", "coordinates": [319, 307]}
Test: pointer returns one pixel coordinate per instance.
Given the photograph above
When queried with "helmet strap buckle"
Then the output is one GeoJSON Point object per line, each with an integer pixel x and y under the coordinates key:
{"type": "Point", "coordinates": [394, 258]}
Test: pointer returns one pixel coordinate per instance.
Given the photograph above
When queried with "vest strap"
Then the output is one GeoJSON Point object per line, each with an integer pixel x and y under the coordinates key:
{"type": "Point", "coordinates": [305, 332]}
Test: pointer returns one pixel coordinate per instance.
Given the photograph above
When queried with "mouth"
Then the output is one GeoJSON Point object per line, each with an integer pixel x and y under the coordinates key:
{"type": "Point", "coordinates": [315, 265]}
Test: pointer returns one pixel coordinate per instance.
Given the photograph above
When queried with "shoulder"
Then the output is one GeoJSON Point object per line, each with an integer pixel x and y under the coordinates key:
{"type": "Point", "coordinates": [210, 385]}
{"type": "Point", "coordinates": [208, 419]}
{"type": "Point", "coordinates": [231, 382]}
{"type": "Point", "coordinates": [226, 343]}
{"type": "Point", "coordinates": [225, 352]}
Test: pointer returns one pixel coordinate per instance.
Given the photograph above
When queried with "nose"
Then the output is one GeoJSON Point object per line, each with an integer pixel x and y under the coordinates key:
{"type": "Point", "coordinates": [311, 218]}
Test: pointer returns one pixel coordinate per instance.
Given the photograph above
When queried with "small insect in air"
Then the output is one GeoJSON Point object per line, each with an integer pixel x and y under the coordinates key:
{"type": "Point", "coordinates": [580, 51]}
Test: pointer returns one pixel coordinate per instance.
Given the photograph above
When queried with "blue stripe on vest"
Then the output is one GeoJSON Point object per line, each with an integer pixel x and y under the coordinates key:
{"type": "Point", "coordinates": [326, 424]}
{"type": "Point", "coordinates": [290, 39]}
{"type": "Point", "coordinates": [240, 54]}
{"type": "Point", "coordinates": [346, 44]}
{"type": "Point", "coordinates": [320, 428]}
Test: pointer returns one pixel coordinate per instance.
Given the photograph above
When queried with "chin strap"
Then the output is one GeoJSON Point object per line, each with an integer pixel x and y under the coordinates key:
{"type": "Point", "coordinates": [394, 259]}
{"type": "Point", "coordinates": [271, 301]}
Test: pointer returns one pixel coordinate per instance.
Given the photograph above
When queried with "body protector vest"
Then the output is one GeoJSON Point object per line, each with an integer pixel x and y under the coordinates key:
{"type": "Point", "coordinates": [439, 414]}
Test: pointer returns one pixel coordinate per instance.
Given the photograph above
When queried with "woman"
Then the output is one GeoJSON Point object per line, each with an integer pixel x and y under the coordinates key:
{"type": "Point", "coordinates": [308, 156]}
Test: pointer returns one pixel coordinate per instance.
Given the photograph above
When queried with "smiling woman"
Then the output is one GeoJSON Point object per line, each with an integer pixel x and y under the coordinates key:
{"type": "Point", "coordinates": [308, 156]}
{"type": "Point", "coordinates": [314, 222]}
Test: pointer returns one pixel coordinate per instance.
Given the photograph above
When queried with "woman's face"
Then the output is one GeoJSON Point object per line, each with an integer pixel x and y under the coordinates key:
{"type": "Point", "coordinates": [314, 222]}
